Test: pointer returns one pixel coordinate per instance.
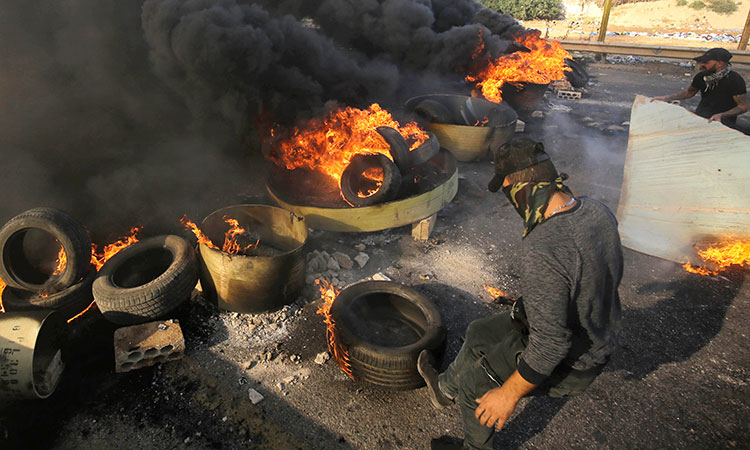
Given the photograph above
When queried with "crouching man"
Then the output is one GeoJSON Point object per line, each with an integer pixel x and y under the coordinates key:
{"type": "Point", "coordinates": [560, 333]}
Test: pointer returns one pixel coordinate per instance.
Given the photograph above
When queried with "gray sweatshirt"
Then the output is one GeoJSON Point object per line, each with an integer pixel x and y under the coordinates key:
{"type": "Point", "coordinates": [571, 266]}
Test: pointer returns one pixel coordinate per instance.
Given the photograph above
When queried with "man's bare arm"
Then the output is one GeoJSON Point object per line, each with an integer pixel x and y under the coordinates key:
{"type": "Point", "coordinates": [687, 93]}
{"type": "Point", "coordinates": [741, 108]}
{"type": "Point", "coordinates": [497, 405]}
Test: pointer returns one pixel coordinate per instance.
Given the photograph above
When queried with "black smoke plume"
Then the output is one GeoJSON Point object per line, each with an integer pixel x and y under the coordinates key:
{"type": "Point", "coordinates": [86, 126]}
{"type": "Point", "coordinates": [421, 35]}
{"type": "Point", "coordinates": [125, 113]}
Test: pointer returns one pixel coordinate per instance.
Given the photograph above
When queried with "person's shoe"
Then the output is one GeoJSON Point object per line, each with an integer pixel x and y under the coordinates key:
{"type": "Point", "coordinates": [430, 376]}
{"type": "Point", "coordinates": [446, 443]}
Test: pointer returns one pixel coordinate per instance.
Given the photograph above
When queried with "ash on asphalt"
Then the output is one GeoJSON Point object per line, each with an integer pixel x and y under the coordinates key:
{"type": "Point", "coordinates": [680, 379]}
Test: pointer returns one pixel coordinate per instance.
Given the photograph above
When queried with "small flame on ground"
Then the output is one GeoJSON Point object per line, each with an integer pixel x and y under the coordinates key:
{"type": "Point", "coordinates": [230, 237]}
{"type": "Point", "coordinates": [327, 145]}
{"type": "Point", "coordinates": [494, 292]}
{"type": "Point", "coordinates": [339, 353]}
{"type": "Point", "coordinates": [544, 63]}
{"type": "Point", "coordinates": [82, 312]}
{"type": "Point", "coordinates": [2, 288]}
{"type": "Point", "coordinates": [722, 256]}
{"type": "Point", "coordinates": [110, 250]}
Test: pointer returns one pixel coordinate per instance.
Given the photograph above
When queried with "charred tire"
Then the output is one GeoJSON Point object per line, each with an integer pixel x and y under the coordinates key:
{"type": "Point", "coordinates": [433, 111]}
{"type": "Point", "coordinates": [360, 163]}
{"type": "Point", "coordinates": [16, 269]}
{"type": "Point", "coordinates": [398, 147]}
{"type": "Point", "coordinates": [146, 280]}
{"type": "Point", "coordinates": [68, 302]}
{"type": "Point", "coordinates": [371, 318]}
{"type": "Point", "coordinates": [426, 151]}
{"type": "Point", "coordinates": [577, 75]}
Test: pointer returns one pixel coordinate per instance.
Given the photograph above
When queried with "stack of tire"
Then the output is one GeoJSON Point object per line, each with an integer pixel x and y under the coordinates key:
{"type": "Point", "coordinates": [28, 252]}
{"type": "Point", "coordinates": [577, 75]}
{"type": "Point", "coordinates": [403, 160]}
{"type": "Point", "coordinates": [142, 282]}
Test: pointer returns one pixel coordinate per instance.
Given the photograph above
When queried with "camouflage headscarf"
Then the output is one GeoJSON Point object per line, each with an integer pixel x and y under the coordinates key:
{"type": "Point", "coordinates": [530, 198]}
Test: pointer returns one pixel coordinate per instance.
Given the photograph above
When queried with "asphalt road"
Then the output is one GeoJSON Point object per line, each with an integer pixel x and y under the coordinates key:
{"type": "Point", "coordinates": [680, 379]}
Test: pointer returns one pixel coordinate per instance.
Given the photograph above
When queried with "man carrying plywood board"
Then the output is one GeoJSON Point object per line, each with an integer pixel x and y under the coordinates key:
{"type": "Point", "coordinates": [685, 182]}
{"type": "Point", "coordinates": [723, 91]}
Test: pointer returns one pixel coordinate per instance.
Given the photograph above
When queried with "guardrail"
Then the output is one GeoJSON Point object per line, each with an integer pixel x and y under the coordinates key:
{"type": "Point", "coordinates": [656, 51]}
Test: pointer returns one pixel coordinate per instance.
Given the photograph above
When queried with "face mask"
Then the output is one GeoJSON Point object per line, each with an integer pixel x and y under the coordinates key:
{"type": "Point", "coordinates": [530, 200]}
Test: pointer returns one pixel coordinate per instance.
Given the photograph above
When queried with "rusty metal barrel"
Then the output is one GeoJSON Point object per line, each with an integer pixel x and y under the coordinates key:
{"type": "Point", "coordinates": [266, 277]}
{"type": "Point", "coordinates": [468, 141]}
{"type": "Point", "coordinates": [30, 356]}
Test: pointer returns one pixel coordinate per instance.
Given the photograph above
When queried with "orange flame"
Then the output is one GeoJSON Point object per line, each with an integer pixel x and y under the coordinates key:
{"type": "Point", "coordinates": [337, 350]}
{"type": "Point", "coordinates": [110, 250]}
{"type": "Point", "coordinates": [202, 238]}
{"type": "Point", "coordinates": [494, 292]}
{"type": "Point", "coordinates": [82, 312]}
{"type": "Point", "coordinates": [731, 252]}
{"type": "Point", "coordinates": [2, 288]}
{"type": "Point", "coordinates": [371, 181]}
{"type": "Point", "coordinates": [328, 145]}
{"type": "Point", "coordinates": [545, 63]}
{"type": "Point", "coordinates": [230, 237]}
{"type": "Point", "coordinates": [98, 259]}
{"type": "Point", "coordinates": [62, 261]}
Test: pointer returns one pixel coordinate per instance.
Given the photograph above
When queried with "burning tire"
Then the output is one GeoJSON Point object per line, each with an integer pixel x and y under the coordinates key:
{"type": "Point", "coordinates": [577, 75]}
{"type": "Point", "coordinates": [29, 245]}
{"type": "Point", "coordinates": [399, 148]}
{"type": "Point", "coordinates": [67, 302]}
{"type": "Point", "coordinates": [425, 152]}
{"type": "Point", "coordinates": [433, 111]}
{"type": "Point", "coordinates": [356, 176]}
{"type": "Point", "coordinates": [146, 280]}
{"type": "Point", "coordinates": [384, 326]}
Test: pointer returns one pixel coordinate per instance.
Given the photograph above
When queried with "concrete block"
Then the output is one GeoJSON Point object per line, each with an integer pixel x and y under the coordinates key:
{"type": "Point", "coordinates": [569, 95]}
{"type": "Point", "coordinates": [147, 344]}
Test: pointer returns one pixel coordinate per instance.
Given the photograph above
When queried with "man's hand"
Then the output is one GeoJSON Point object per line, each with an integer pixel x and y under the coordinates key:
{"type": "Point", "coordinates": [715, 118]}
{"type": "Point", "coordinates": [495, 407]}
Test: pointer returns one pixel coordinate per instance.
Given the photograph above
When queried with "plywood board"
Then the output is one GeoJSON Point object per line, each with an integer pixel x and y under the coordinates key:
{"type": "Point", "coordinates": [686, 182]}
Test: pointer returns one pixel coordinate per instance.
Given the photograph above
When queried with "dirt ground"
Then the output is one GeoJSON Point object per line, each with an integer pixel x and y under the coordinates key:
{"type": "Point", "coordinates": [680, 379]}
{"type": "Point", "coordinates": [656, 18]}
